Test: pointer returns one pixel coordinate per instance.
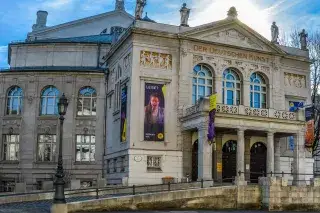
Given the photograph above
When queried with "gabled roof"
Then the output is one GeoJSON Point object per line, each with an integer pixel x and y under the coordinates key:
{"type": "Point", "coordinates": [191, 31]}
{"type": "Point", "coordinates": [81, 21]}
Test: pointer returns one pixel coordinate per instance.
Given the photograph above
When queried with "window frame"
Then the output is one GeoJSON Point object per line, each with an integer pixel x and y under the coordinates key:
{"type": "Point", "coordinates": [152, 167]}
{"type": "Point", "coordinates": [9, 102]}
{"type": "Point", "coordinates": [56, 96]}
{"type": "Point", "coordinates": [16, 144]}
{"type": "Point", "coordinates": [93, 98]}
{"type": "Point", "coordinates": [84, 143]}
{"type": "Point", "coordinates": [236, 89]}
{"type": "Point", "coordinates": [196, 84]}
{"type": "Point", "coordinates": [261, 85]}
{"type": "Point", "coordinates": [53, 147]}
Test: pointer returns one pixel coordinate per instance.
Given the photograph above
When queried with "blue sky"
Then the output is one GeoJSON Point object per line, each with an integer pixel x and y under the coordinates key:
{"type": "Point", "coordinates": [18, 16]}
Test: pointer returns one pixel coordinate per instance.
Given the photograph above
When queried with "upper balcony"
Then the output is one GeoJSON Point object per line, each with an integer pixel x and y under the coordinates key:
{"type": "Point", "coordinates": [232, 110]}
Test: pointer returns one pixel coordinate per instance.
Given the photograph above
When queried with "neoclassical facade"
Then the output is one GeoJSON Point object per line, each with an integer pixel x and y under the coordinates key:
{"type": "Point", "coordinates": [138, 102]}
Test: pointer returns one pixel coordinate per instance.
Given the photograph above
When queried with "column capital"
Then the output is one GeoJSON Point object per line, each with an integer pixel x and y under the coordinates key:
{"type": "Point", "coordinates": [270, 133]}
{"type": "Point", "coordinates": [203, 126]}
{"type": "Point", "coordinates": [241, 129]}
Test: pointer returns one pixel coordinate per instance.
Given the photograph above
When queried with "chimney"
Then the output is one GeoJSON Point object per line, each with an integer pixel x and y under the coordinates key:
{"type": "Point", "coordinates": [41, 20]}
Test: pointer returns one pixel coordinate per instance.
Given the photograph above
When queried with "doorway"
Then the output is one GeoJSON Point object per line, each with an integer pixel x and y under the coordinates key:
{"type": "Point", "coordinates": [229, 161]}
{"type": "Point", "coordinates": [194, 175]}
{"type": "Point", "coordinates": [258, 161]}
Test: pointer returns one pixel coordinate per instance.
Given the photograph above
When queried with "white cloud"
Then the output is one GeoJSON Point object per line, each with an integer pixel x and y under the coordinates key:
{"type": "Point", "coordinates": [3, 49]}
{"type": "Point", "coordinates": [56, 4]}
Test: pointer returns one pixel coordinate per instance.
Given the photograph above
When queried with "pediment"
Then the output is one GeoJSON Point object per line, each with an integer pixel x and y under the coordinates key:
{"type": "Point", "coordinates": [234, 34]}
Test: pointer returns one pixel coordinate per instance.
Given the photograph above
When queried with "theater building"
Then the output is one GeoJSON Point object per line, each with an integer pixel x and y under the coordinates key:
{"type": "Point", "coordinates": [138, 102]}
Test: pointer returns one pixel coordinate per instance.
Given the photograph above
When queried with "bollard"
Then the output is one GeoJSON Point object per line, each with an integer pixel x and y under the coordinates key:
{"type": "Point", "coordinates": [201, 183]}
{"type": "Point", "coordinates": [97, 193]}
{"type": "Point", "coordinates": [133, 189]}
{"type": "Point", "coordinates": [169, 186]}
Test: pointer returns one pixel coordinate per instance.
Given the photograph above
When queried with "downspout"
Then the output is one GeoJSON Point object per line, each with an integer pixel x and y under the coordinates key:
{"type": "Point", "coordinates": [106, 75]}
{"type": "Point", "coordinates": [98, 53]}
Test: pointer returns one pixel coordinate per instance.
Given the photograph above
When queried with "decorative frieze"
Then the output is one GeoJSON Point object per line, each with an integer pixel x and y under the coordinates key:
{"type": "Point", "coordinates": [294, 80]}
{"type": "Point", "coordinates": [150, 59]}
{"type": "Point", "coordinates": [227, 109]}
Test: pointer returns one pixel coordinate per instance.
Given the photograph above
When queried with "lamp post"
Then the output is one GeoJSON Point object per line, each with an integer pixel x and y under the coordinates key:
{"type": "Point", "coordinates": [59, 183]}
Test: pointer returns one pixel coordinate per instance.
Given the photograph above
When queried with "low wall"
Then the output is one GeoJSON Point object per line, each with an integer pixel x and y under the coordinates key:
{"type": "Point", "coordinates": [112, 190]}
{"type": "Point", "coordinates": [278, 196]}
{"type": "Point", "coordinates": [227, 197]}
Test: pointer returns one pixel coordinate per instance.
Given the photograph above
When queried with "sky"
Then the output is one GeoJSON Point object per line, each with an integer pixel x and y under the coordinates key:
{"type": "Point", "coordinates": [18, 16]}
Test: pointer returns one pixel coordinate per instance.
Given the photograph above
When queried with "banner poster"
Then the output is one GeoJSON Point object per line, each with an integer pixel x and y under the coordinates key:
{"type": "Point", "coordinates": [154, 112]}
{"type": "Point", "coordinates": [123, 127]}
{"type": "Point", "coordinates": [309, 135]}
{"type": "Point", "coordinates": [212, 113]}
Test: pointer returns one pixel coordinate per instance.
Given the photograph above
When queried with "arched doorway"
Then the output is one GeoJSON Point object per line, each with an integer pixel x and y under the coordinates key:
{"type": "Point", "coordinates": [229, 161]}
{"type": "Point", "coordinates": [258, 161]}
{"type": "Point", "coordinates": [194, 175]}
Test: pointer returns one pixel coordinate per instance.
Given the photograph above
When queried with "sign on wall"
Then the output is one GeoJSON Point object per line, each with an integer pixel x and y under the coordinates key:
{"type": "Point", "coordinates": [123, 127]}
{"type": "Point", "coordinates": [154, 112]}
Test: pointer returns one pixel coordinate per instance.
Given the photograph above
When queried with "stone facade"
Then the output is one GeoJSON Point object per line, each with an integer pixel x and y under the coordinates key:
{"type": "Point", "coordinates": [112, 54]}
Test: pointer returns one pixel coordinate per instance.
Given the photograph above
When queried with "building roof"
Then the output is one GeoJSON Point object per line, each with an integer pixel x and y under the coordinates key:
{"type": "Point", "coordinates": [104, 38]}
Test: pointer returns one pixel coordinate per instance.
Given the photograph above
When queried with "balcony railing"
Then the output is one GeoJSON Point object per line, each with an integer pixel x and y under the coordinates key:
{"type": "Point", "coordinates": [243, 110]}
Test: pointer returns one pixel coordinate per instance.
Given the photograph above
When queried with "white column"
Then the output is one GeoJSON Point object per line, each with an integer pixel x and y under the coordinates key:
{"type": "Point", "coordinates": [218, 88]}
{"type": "Point", "coordinates": [299, 159]}
{"type": "Point", "coordinates": [270, 153]}
{"type": "Point", "coordinates": [240, 153]}
{"type": "Point", "coordinates": [277, 155]}
{"type": "Point", "coordinates": [204, 154]}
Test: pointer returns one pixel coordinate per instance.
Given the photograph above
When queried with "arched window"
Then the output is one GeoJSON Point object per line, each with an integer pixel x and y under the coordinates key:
{"type": "Point", "coordinates": [201, 82]}
{"type": "Point", "coordinates": [231, 87]}
{"type": "Point", "coordinates": [258, 91]}
{"type": "Point", "coordinates": [14, 101]}
{"type": "Point", "coordinates": [49, 101]}
{"type": "Point", "coordinates": [87, 102]}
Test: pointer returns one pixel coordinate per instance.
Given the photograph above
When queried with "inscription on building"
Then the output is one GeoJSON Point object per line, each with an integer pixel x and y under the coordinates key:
{"type": "Point", "coordinates": [233, 54]}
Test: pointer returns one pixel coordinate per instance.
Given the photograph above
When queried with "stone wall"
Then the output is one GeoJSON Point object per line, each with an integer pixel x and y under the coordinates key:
{"type": "Point", "coordinates": [228, 197]}
{"type": "Point", "coordinates": [278, 196]}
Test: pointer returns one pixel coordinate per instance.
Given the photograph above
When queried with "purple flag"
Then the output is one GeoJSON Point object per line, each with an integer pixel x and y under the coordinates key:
{"type": "Point", "coordinates": [211, 128]}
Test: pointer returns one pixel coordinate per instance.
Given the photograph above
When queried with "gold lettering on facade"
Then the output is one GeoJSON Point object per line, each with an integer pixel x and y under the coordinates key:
{"type": "Point", "coordinates": [238, 55]}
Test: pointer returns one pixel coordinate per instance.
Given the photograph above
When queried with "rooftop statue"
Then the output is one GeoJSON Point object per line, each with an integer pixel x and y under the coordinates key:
{"type": "Point", "coordinates": [303, 39]}
{"type": "Point", "coordinates": [274, 33]}
{"type": "Point", "coordinates": [232, 13]}
{"type": "Point", "coordinates": [139, 8]}
{"type": "Point", "coordinates": [184, 12]}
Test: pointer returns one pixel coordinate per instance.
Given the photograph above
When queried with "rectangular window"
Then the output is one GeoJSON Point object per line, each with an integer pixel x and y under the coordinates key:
{"type": "Point", "coordinates": [153, 163]}
{"type": "Point", "coordinates": [115, 165]}
{"type": "Point", "coordinates": [230, 97]}
{"type": "Point", "coordinates": [47, 148]}
{"type": "Point", "coordinates": [10, 147]}
{"type": "Point", "coordinates": [122, 167]}
{"type": "Point", "coordinates": [86, 148]}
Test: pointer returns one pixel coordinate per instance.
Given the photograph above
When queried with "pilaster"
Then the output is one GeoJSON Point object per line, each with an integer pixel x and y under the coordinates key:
{"type": "Point", "coordinates": [270, 152]}
{"type": "Point", "coordinates": [299, 159]}
{"type": "Point", "coordinates": [277, 155]}
{"type": "Point", "coordinates": [204, 154]}
{"type": "Point", "coordinates": [240, 153]}
{"type": "Point", "coordinates": [246, 90]}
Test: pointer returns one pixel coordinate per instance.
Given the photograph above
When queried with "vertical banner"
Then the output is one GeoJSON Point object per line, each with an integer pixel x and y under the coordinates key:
{"type": "Point", "coordinates": [123, 127]}
{"type": "Point", "coordinates": [154, 112]}
{"type": "Point", "coordinates": [212, 113]}
{"type": "Point", "coordinates": [309, 135]}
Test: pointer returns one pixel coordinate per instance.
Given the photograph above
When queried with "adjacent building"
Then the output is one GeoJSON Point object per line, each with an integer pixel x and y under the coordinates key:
{"type": "Point", "coordinates": [138, 102]}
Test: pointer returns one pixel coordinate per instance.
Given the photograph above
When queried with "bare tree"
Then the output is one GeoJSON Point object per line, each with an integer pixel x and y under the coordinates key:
{"type": "Point", "coordinates": [292, 39]}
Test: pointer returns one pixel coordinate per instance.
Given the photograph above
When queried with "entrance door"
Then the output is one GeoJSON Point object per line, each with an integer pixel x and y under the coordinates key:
{"type": "Point", "coordinates": [258, 161]}
{"type": "Point", "coordinates": [229, 161]}
{"type": "Point", "coordinates": [195, 161]}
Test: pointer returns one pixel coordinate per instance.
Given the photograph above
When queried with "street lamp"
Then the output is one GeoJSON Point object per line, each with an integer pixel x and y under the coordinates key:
{"type": "Point", "coordinates": [59, 183]}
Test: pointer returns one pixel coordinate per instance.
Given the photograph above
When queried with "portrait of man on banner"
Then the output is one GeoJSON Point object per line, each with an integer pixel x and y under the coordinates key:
{"type": "Point", "coordinates": [154, 112]}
